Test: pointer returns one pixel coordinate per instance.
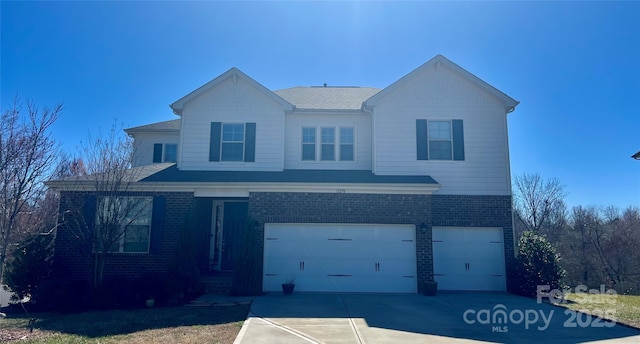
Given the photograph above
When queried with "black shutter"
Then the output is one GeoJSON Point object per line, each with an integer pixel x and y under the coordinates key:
{"type": "Point", "coordinates": [89, 211]}
{"type": "Point", "coordinates": [458, 139]}
{"type": "Point", "coordinates": [250, 142]}
{"type": "Point", "coordinates": [214, 143]}
{"type": "Point", "coordinates": [422, 143]}
{"type": "Point", "coordinates": [157, 225]}
{"type": "Point", "coordinates": [157, 152]}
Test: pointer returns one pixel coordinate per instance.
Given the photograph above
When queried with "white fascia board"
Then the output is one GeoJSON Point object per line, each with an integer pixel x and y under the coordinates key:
{"type": "Point", "coordinates": [243, 189]}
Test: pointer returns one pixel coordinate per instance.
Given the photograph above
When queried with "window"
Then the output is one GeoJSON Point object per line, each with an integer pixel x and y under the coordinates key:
{"type": "Point", "coordinates": [308, 143]}
{"type": "Point", "coordinates": [440, 140]}
{"type": "Point", "coordinates": [233, 142]}
{"type": "Point", "coordinates": [346, 144]}
{"type": "Point", "coordinates": [170, 152]}
{"type": "Point", "coordinates": [165, 152]}
{"type": "Point", "coordinates": [328, 144]}
{"type": "Point", "coordinates": [124, 224]}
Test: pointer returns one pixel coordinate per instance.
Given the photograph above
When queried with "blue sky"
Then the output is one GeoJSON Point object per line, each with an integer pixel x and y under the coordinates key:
{"type": "Point", "coordinates": [574, 66]}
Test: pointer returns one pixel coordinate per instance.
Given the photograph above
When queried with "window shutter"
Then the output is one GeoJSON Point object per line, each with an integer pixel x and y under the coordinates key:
{"type": "Point", "coordinates": [422, 144]}
{"type": "Point", "coordinates": [214, 143]}
{"type": "Point", "coordinates": [89, 211]}
{"type": "Point", "coordinates": [157, 152]}
{"type": "Point", "coordinates": [157, 225]}
{"type": "Point", "coordinates": [458, 139]}
{"type": "Point", "coordinates": [250, 142]}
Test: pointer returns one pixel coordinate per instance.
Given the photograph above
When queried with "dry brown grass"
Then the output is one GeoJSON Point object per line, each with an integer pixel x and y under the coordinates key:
{"type": "Point", "coordinates": [157, 325]}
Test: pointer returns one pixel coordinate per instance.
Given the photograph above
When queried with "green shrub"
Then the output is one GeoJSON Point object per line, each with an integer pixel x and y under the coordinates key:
{"type": "Point", "coordinates": [536, 263]}
{"type": "Point", "coordinates": [30, 265]}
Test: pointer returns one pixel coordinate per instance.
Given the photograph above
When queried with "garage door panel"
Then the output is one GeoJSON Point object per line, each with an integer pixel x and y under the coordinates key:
{"type": "Point", "coordinates": [468, 258]}
{"type": "Point", "coordinates": [341, 257]}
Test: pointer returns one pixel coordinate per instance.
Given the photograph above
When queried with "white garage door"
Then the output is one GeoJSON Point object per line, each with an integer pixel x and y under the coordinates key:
{"type": "Point", "coordinates": [468, 258]}
{"type": "Point", "coordinates": [340, 257]}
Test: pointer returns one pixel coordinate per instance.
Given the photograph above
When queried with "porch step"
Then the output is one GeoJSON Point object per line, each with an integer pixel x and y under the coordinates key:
{"type": "Point", "coordinates": [216, 284]}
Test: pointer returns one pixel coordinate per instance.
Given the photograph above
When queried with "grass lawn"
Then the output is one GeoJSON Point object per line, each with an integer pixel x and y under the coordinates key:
{"type": "Point", "coordinates": [624, 309]}
{"type": "Point", "coordinates": [153, 325]}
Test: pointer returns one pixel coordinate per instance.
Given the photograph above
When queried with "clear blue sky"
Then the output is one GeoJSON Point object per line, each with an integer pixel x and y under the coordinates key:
{"type": "Point", "coordinates": [575, 66]}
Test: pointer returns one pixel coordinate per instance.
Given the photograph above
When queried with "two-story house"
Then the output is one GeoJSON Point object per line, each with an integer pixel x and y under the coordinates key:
{"type": "Point", "coordinates": [350, 188]}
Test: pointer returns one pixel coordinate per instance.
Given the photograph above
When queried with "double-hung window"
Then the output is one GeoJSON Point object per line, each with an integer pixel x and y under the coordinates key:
{"type": "Point", "coordinates": [232, 142]}
{"type": "Point", "coordinates": [308, 144]}
{"type": "Point", "coordinates": [346, 144]}
{"type": "Point", "coordinates": [167, 152]}
{"type": "Point", "coordinates": [328, 145]}
{"type": "Point", "coordinates": [124, 224]}
{"type": "Point", "coordinates": [440, 139]}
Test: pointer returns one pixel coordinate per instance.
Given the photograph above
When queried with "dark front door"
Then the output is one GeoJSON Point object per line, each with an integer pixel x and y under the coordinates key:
{"type": "Point", "coordinates": [234, 223]}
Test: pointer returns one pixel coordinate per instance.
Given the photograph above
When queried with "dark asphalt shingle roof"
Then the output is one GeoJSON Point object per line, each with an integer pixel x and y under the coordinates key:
{"type": "Point", "coordinates": [172, 174]}
{"type": "Point", "coordinates": [172, 125]}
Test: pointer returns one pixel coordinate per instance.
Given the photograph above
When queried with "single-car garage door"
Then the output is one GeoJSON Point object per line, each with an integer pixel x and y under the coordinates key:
{"type": "Point", "coordinates": [468, 258]}
{"type": "Point", "coordinates": [340, 257]}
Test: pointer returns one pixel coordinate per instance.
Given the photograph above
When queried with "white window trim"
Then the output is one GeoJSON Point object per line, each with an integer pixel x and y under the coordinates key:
{"type": "Point", "coordinates": [450, 140]}
{"type": "Point", "coordinates": [336, 145]}
{"type": "Point", "coordinates": [222, 141]}
{"type": "Point", "coordinates": [164, 152]}
{"type": "Point", "coordinates": [315, 144]}
{"type": "Point", "coordinates": [123, 227]}
{"type": "Point", "coordinates": [353, 144]}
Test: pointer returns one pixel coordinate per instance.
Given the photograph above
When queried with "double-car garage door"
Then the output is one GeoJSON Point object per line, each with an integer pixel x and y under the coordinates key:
{"type": "Point", "coordinates": [379, 258]}
{"type": "Point", "coordinates": [340, 257]}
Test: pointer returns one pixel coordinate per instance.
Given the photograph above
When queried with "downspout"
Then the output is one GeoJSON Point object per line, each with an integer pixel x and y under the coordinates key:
{"type": "Point", "coordinates": [373, 136]}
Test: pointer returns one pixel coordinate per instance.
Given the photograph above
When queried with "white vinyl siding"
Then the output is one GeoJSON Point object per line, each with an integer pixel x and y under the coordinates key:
{"type": "Point", "coordinates": [358, 125]}
{"type": "Point", "coordinates": [443, 96]}
{"type": "Point", "coordinates": [232, 102]}
{"type": "Point", "coordinates": [143, 145]}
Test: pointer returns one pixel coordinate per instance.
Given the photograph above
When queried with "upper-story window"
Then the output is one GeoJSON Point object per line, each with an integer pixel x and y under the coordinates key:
{"type": "Point", "coordinates": [232, 142]}
{"type": "Point", "coordinates": [167, 152]}
{"type": "Point", "coordinates": [346, 144]}
{"type": "Point", "coordinates": [334, 144]}
{"type": "Point", "coordinates": [308, 143]}
{"type": "Point", "coordinates": [328, 147]}
{"type": "Point", "coordinates": [439, 140]}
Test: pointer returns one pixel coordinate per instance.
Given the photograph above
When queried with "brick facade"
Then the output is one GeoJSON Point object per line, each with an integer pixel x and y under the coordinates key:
{"type": "Point", "coordinates": [423, 211]}
{"type": "Point", "coordinates": [73, 257]}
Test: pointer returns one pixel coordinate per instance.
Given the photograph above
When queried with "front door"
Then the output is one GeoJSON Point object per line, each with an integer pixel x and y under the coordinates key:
{"type": "Point", "coordinates": [229, 221]}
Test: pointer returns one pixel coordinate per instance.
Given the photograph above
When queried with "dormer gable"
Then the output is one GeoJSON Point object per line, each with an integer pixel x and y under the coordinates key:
{"type": "Point", "coordinates": [234, 74]}
{"type": "Point", "coordinates": [437, 63]}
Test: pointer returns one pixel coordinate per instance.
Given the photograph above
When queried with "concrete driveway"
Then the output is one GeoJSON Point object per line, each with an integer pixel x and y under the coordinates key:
{"type": "Point", "coordinates": [412, 318]}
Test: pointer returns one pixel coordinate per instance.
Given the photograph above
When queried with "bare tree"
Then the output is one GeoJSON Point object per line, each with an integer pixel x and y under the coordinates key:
{"type": "Point", "coordinates": [106, 172]}
{"type": "Point", "coordinates": [27, 156]}
{"type": "Point", "coordinates": [539, 203]}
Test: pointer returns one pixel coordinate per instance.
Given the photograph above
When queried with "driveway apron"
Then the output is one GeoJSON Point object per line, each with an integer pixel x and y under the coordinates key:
{"type": "Point", "coordinates": [413, 318]}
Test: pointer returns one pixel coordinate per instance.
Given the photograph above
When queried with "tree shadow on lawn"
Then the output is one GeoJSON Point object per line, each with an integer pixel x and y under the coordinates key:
{"type": "Point", "coordinates": [120, 322]}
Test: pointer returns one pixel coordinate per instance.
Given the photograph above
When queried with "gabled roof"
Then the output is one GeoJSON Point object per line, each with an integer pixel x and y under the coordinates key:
{"type": "Point", "coordinates": [178, 105]}
{"type": "Point", "coordinates": [327, 98]}
{"type": "Point", "coordinates": [166, 126]}
{"type": "Point", "coordinates": [509, 103]}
